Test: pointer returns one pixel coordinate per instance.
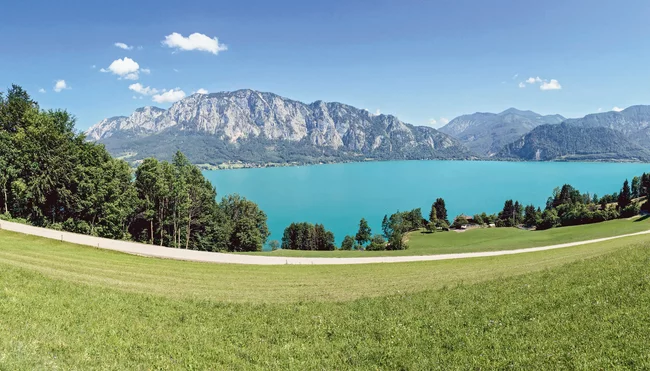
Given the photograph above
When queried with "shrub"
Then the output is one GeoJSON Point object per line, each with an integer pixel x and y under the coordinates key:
{"type": "Point", "coordinates": [377, 243]}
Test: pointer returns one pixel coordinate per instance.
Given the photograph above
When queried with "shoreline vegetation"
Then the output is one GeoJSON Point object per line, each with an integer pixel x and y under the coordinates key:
{"type": "Point", "coordinates": [244, 165]}
{"type": "Point", "coordinates": [51, 176]}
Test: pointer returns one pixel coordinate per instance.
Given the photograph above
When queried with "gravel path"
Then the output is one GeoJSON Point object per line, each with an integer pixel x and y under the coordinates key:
{"type": "Point", "coordinates": [211, 257]}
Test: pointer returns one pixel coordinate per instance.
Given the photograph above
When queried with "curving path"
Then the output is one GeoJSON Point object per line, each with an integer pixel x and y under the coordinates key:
{"type": "Point", "coordinates": [211, 257]}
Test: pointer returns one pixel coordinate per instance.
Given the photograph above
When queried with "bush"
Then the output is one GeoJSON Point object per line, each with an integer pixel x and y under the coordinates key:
{"type": "Point", "coordinates": [377, 243]}
{"type": "Point", "coordinates": [460, 221]}
{"type": "Point", "coordinates": [396, 242]}
{"type": "Point", "coordinates": [348, 243]}
{"type": "Point", "coordinates": [630, 210]}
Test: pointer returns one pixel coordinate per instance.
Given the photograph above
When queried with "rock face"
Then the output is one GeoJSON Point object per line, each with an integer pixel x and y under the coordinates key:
{"type": "Point", "coordinates": [571, 142]}
{"type": "Point", "coordinates": [252, 126]}
{"type": "Point", "coordinates": [486, 133]}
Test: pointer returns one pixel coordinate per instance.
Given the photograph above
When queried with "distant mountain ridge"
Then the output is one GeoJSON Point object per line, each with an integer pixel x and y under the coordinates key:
{"type": "Point", "coordinates": [570, 142]}
{"type": "Point", "coordinates": [256, 127]}
{"type": "Point", "coordinates": [487, 133]}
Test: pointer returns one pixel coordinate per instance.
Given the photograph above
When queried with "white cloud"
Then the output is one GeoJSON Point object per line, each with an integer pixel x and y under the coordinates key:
{"type": "Point", "coordinates": [175, 70]}
{"type": "Point", "coordinates": [123, 46]}
{"type": "Point", "coordinates": [60, 85]}
{"type": "Point", "coordinates": [195, 41]}
{"type": "Point", "coordinates": [522, 85]}
{"type": "Point", "coordinates": [550, 85]}
{"type": "Point", "coordinates": [433, 122]}
{"type": "Point", "coordinates": [93, 66]}
{"type": "Point", "coordinates": [600, 109]}
{"type": "Point", "coordinates": [126, 68]}
{"type": "Point", "coordinates": [617, 109]}
{"type": "Point", "coordinates": [146, 71]}
{"type": "Point", "coordinates": [444, 121]}
{"type": "Point", "coordinates": [532, 80]}
{"type": "Point", "coordinates": [377, 112]}
{"type": "Point", "coordinates": [169, 96]}
{"type": "Point", "coordinates": [515, 76]}
{"type": "Point", "coordinates": [138, 88]}
{"type": "Point", "coordinates": [202, 91]}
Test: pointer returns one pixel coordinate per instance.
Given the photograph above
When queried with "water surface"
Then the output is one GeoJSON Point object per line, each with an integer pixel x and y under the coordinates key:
{"type": "Point", "coordinates": [339, 195]}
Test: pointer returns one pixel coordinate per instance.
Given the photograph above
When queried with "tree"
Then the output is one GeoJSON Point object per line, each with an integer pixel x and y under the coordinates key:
{"type": "Point", "coordinates": [396, 242]}
{"type": "Point", "coordinates": [348, 243]}
{"type": "Point", "coordinates": [508, 214]}
{"type": "Point", "coordinates": [274, 244]}
{"type": "Point", "coordinates": [441, 209]}
{"type": "Point", "coordinates": [636, 187]}
{"type": "Point", "coordinates": [249, 229]}
{"type": "Point", "coordinates": [385, 227]}
{"type": "Point", "coordinates": [431, 227]}
{"type": "Point", "coordinates": [550, 219]}
{"type": "Point", "coordinates": [531, 216]}
{"type": "Point", "coordinates": [624, 198]}
{"type": "Point", "coordinates": [377, 243]}
{"type": "Point", "coordinates": [433, 214]}
{"type": "Point", "coordinates": [364, 233]}
{"type": "Point", "coordinates": [460, 221]}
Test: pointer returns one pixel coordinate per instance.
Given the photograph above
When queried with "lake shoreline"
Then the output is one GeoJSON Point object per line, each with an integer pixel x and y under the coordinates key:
{"type": "Point", "coordinates": [240, 166]}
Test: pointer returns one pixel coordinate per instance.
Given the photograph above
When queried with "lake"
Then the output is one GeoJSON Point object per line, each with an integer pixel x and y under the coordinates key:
{"type": "Point", "coordinates": [339, 195]}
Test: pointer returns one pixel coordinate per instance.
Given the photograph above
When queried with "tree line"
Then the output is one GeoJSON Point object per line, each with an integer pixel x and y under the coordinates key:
{"type": "Point", "coordinates": [51, 176]}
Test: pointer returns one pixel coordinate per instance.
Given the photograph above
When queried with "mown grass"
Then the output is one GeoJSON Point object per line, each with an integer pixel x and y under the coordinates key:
{"type": "Point", "coordinates": [485, 239]}
{"type": "Point", "coordinates": [70, 307]}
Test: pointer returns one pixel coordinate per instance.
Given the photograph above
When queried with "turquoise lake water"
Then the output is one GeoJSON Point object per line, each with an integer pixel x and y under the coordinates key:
{"type": "Point", "coordinates": [339, 195]}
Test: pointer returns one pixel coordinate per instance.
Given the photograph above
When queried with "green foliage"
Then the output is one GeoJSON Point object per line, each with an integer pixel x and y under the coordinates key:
{"type": "Point", "coordinates": [306, 236]}
{"type": "Point", "coordinates": [249, 229]}
{"type": "Point", "coordinates": [433, 214]}
{"type": "Point", "coordinates": [364, 234]}
{"type": "Point", "coordinates": [460, 221]}
{"type": "Point", "coordinates": [549, 219]}
{"type": "Point", "coordinates": [274, 245]}
{"type": "Point", "coordinates": [348, 243]}
{"type": "Point", "coordinates": [377, 243]}
{"type": "Point", "coordinates": [441, 210]}
{"type": "Point", "coordinates": [385, 227]}
{"type": "Point", "coordinates": [630, 210]}
{"type": "Point", "coordinates": [625, 197]}
{"type": "Point", "coordinates": [52, 177]}
{"type": "Point", "coordinates": [396, 242]}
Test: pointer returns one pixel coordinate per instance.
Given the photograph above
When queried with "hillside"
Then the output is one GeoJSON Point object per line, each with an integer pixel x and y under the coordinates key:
{"type": "Point", "coordinates": [486, 133]}
{"type": "Point", "coordinates": [572, 142]}
{"type": "Point", "coordinates": [254, 127]}
{"type": "Point", "coordinates": [633, 122]}
{"type": "Point", "coordinates": [541, 310]}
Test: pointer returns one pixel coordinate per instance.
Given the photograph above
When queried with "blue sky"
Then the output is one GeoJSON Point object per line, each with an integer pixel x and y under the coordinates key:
{"type": "Point", "coordinates": [419, 60]}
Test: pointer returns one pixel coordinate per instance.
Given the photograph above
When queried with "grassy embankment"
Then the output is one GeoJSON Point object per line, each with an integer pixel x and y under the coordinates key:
{"type": "Point", "coordinates": [486, 239]}
{"type": "Point", "coordinates": [72, 307]}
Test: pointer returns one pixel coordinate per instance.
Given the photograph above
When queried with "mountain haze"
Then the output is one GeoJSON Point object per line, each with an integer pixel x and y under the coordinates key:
{"type": "Point", "coordinates": [255, 127]}
{"type": "Point", "coordinates": [486, 133]}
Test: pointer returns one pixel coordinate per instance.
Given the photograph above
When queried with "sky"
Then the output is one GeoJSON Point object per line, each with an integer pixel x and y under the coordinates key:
{"type": "Point", "coordinates": [424, 61]}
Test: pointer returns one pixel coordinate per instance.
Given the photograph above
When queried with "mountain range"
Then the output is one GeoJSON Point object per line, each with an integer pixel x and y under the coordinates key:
{"type": "Point", "coordinates": [257, 128]}
{"type": "Point", "coordinates": [260, 128]}
{"type": "Point", "coordinates": [487, 133]}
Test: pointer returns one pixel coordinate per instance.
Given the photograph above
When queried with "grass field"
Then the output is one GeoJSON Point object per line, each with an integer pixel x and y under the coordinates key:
{"type": "Point", "coordinates": [486, 239]}
{"type": "Point", "coordinates": [71, 307]}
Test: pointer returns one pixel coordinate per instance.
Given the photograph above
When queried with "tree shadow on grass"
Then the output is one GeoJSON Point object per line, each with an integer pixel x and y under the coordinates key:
{"type": "Point", "coordinates": [642, 218]}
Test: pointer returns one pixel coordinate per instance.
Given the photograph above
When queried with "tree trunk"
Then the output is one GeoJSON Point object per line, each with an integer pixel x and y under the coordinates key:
{"type": "Point", "coordinates": [151, 223]}
{"type": "Point", "coordinates": [187, 239]}
{"type": "Point", "coordinates": [5, 199]}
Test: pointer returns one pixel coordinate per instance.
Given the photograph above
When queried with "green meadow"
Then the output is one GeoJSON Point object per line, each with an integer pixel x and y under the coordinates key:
{"type": "Point", "coordinates": [64, 306]}
{"type": "Point", "coordinates": [486, 239]}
